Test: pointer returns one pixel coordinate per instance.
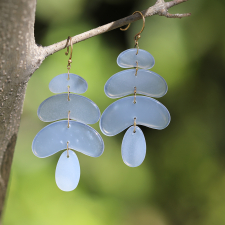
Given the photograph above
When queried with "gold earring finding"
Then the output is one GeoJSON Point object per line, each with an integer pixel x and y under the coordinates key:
{"type": "Point", "coordinates": [138, 35]}
{"type": "Point", "coordinates": [67, 52]}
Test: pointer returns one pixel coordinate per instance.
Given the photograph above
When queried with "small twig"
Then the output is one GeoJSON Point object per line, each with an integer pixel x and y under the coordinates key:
{"type": "Point", "coordinates": [161, 8]}
{"type": "Point", "coordinates": [168, 15]}
{"type": "Point", "coordinates": [173, 3]}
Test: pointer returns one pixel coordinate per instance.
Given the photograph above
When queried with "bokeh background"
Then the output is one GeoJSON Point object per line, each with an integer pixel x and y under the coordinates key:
{"type": "Point", "coordinates": [182, 180]}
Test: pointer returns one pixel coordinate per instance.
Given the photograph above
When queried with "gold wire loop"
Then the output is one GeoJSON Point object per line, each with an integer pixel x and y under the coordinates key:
{"type": "Point", "coordinates": [137, 46]}
{"type": "Point", "coordinates": [138, 35]}
{"type": "Point", "coordinates": [136, 68]}
{"type": "Point", "coordinates": [68, 149]}
{"type": "Point", "coordinates": [68, 119]}
{"type": "Point", "coordinates": [68, 73]}
{"type": "Point", "coordinates": [68, 93]}
{"type": "Point", "coordinates": [135, 92]}
{"type": "Point", "coordinates": [134, 125]}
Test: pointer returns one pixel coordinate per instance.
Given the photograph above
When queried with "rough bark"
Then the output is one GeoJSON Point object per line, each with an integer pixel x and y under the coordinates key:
{"type": "Point", "coordinates": [20, 57]}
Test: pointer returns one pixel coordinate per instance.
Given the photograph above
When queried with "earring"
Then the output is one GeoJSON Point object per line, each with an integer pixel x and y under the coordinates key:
{"type": "Point", "coordinates": [68, 134]}
{"type": "Point", "coordinates": [134, 110]}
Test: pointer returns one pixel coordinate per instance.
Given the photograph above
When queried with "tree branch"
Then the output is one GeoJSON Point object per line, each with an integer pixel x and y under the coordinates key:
{"type": "Point", "coordinates": [161, 8]}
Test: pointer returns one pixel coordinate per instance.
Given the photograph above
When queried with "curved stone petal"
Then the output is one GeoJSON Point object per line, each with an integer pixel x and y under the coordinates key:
{"type": "Point", "coordinates": [146, 83]}
{"type": "Point", "coordinates": [54, 138]}
{"type": "Point", "coordinates": [61, 82]}
{"type": "Point", "coordinates": [133, 147]}
{"type": "Point", "coordinates": [81, 109]}
{"type": "Point", "coordinates": [67, 173]}
{"type": "Point", "coordinates": [129, 59]}
{"type": "Point", "coordinates": [120, 115]}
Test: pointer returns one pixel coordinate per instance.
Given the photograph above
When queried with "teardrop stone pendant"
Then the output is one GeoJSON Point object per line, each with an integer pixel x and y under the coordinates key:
{"type": "Point", "coordinates": [133, 147]}
{"type": "Point", "coordinates": [134, 110]}
{"type": "Point", "coordinates": [67, 173]}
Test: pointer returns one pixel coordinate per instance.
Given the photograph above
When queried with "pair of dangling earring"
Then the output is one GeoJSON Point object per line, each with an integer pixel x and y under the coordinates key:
{"type": "Point", "coordinates": [74, 133]}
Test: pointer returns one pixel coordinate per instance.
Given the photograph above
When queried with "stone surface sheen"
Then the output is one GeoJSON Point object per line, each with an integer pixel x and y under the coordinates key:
{"type": "Point", "coordinates": [81, 109]}
{"type": "Point", "coordinates": [54, 137]}
{"type": "Point", "coordinates": [61, 82]}
{"type": "Point", "coordinates": [120, 115]}
{"type": "Point", "coordinates": [133, 147]}
{"type": "Point", "coordinates": [146, 83]}
{"type": "Point", "coordinates": [67, 173]}
{"type": "Point", "coordinates": [129, 59]}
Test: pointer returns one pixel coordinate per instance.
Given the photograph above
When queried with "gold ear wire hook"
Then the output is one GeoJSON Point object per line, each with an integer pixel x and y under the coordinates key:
{"type": "Point", "coordinates": [67, 52]}
{"type": "Point", "coordinates": [124, 29]}
{"type": "Point", "coordinates": [138, 35]}
{"type": "Point", "coordinates": [71, 47]}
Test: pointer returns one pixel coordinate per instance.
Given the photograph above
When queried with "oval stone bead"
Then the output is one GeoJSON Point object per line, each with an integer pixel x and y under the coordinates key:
{"type": "Point", "coordinates": [54, 137]}
{"type": "Point", "coordinates": [146, 83]}
{"type": "Point", "coordinates": [129, 58]}
{"type": "Point", "coordinates": [120, 115]}
{"type": "Point", "coordinates": [67, 173]}
{"type": "Point", "coordinates": [133, 147]}
{"type": "Point", "coordinates": [81, 109]}
{"type": "Point", "coordinates": [61, 82]}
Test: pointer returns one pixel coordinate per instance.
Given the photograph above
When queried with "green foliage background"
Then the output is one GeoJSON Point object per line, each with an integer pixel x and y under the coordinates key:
{"type": "Point", "coordinates": [182, 180]}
